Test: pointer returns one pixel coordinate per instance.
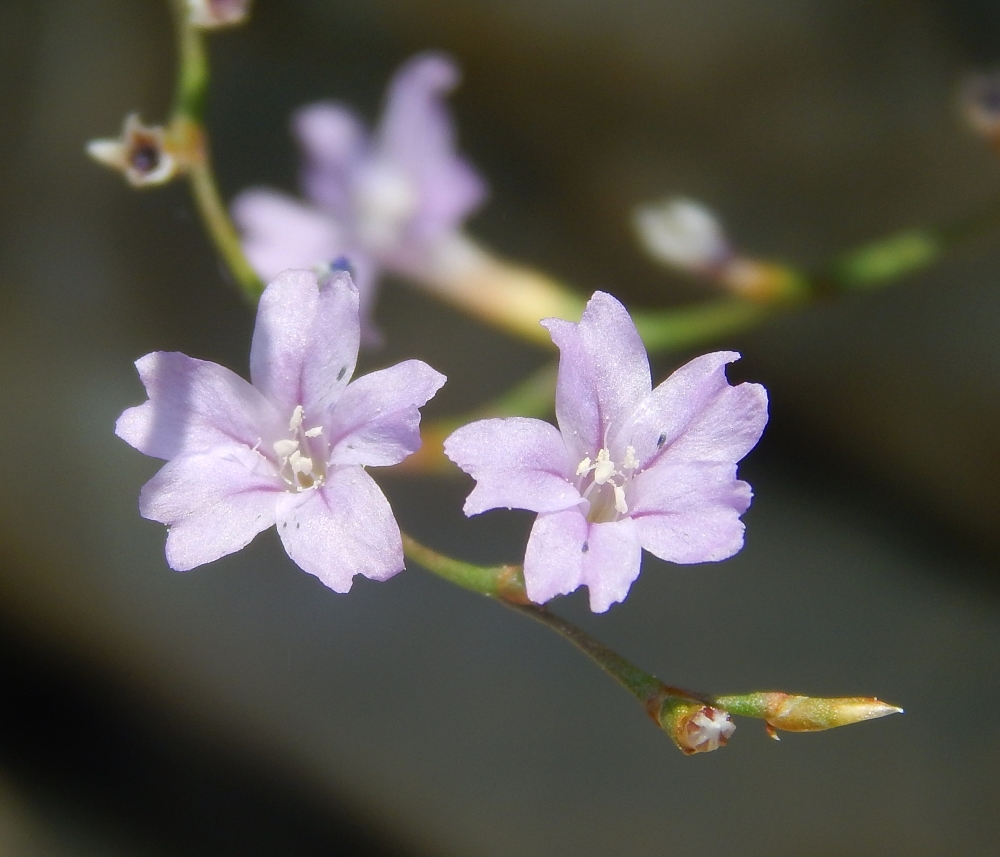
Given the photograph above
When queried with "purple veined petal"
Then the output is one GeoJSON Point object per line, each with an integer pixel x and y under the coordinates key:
{"type": "Point", "coordinates": [417, 134]}
{"type": "Point", "coordinates": [342, 529]}
{"type": "Point", "coordinates": [696, 415]}
{"type": "Point", "coordinates": [603, 373]}
{"type": "Point", "coordinates": [305, 343]}
{"type": "Point", "coordinates": [213, 502]}
{"type": "Point", "coordinates": [518, 463]}
{"type": "Point", "coordinates": [555, 555]}
{"type": "Point", "coordinates": [334, 142]}
{"type": "Point", "coordinates": [194, 405]}
{"type": "Point", "coordinates": [377, 419]}
{"type": "Point", "coordinates": [281, 233]}
{"type": "Point", "coordinates": [612, 562]}
{"type": "Point", "coordinates": [690, 512]}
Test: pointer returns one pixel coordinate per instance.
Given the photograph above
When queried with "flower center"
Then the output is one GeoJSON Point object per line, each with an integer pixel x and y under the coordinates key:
{"type": "Point", "coordinates": [302, 456]}
{"type": "Point", "coordinates": [604, 484]}
{"type": "Point", "coordinates": [385, 200]}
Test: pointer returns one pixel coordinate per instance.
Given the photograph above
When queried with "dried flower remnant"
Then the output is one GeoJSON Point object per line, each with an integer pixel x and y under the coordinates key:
{"type": "Point", "coordinates": [980, 103]}
{"type": "Point", "coordinates": [144, 154]}
{"type": "Point", "coordinates": [697, 728]}
{"type": "Point", "coordinates": [211, 14]}
{"type": "Point", "coordinates": [629, 467]}
{"type": "Point", "coordinates": [290, 449]}
{"type": "Point", "coordinates": [385, 201]}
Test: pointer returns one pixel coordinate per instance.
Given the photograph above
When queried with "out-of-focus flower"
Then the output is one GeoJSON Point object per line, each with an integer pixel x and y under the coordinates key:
{"type": "Point", "coordinates": [980, 103]}
{"type": "Point", "coordinates": [144, 154]}
{"type": "Point", "coordinates": [385, 201]}
{"type": "Point", "coordinates": [289, 450]}
{"type": "Point", "coordinates": [682, 233]}
{"type": "Point", "coordinates": [628, 468]}
{"type": "Point", "coordinates": [217, 13]}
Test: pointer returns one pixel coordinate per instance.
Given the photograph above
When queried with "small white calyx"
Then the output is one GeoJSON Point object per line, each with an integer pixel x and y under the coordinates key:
{"type": "Point", "coordinates": [301, 461]}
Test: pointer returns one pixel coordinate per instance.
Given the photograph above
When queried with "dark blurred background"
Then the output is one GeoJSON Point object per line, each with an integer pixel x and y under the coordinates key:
{"type": "Point", "coordinates": [244, 709]}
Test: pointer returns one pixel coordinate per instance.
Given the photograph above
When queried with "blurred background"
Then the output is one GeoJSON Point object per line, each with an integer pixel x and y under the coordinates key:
{"type": "Point", "coordinates": [245, 709]}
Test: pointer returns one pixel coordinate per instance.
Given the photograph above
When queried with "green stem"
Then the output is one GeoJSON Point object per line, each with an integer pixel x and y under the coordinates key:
{"type": "Point", "coordinates": [676, 329]}
{"type": "Point", "coordinates": [505, 583]}
{"type": "Point", "coordinates": [188, 122]}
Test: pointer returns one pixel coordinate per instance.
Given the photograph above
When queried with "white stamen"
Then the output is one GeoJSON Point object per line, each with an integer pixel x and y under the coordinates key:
{"type": "Point", "coordinates": [256, 446]}
{"type": "Point", "coordinates": [605, 467]}
{"type": "Point", "coordinates": [300, 463]}
{"type": "Point", "coordinates": [314, 432]}
{"type": "Point", "coordinates": [620, 505]}
{"type": "Point", "coordinates": [285, 448]}
{"type": "Point", "coordinates": [296, 420]}
{"type": "Point", "coordinates": [583, 466]}
{"type": "Point", "coordinates": [630, 462]}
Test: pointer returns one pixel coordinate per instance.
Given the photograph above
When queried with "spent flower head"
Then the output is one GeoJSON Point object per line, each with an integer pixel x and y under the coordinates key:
{"type": "Point", "coordinates": [629, 467]}
{"type": "Point", "coordinates": [289, 449]}
{"type": "Point", "coordinates": [144, 154]}
{"type": "Point", "coordinates": [382, 200]}
{"type": "Point", "coordinates": [211, 14]}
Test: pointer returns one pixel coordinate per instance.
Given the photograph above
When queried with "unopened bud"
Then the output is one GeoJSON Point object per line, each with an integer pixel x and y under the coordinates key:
{"type": "Point", "coordinates": [694, 726]}
{"type": "Point", "coordinates": [142, 153]}
{"type": "Point", "coordinates": [807, 713]}
{"type": "Point", "coordinates": [980, 102]}
{"type": "Point", "coordinates": [217, 13]}
{"type": "Point", "coordinates": [682, 233]}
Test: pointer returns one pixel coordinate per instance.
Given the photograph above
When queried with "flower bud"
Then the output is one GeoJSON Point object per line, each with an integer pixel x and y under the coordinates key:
{"type": "Point", "coordinates": [210, 14]}
{"type": "Point", "coordinates": [807, 713]}
{"type": "Point", "coordinates": [143, 154]}
{"type": "Point", "coordinates": [694, 726]}
{"type": "Point", "coordinates": [682, 233]}
{"type": "Point", "coordinates": [980, 103]}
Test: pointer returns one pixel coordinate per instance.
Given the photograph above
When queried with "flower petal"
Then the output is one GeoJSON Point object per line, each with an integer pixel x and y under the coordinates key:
{"type": "Point", "coordinates": [611, 563]}
{"type": "Point", "coordinates": [213, 502]}
{"type": "Point", "coordinates": [280, 233]}
{"type": "Point", "coordinates": [305, 344]}
{"type": "Point", "coordinates": [377, 419]}
{"type": "Point", "coordinates": [554, 557]}
{"type": "Point", "coordinates": [333, 141]}
{"type": "Point", "coordinates": [416, 133]}
{"type": "Point", "coordinates": [518, 463]}
{"type": "Point", "coordinates": [690, 512]}
{"type": "Point", "coordinates": [342, 529]}
{"type": "Point", "coordinates": [193, 405]}
{"type": "Point", "coordinates": [603, 373]}
{"type": "Point", "coordinates": [695, 415]}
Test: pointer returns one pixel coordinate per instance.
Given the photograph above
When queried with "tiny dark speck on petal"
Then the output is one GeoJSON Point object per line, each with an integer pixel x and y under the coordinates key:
{"type": "Point", "coordinates": [284, 525]}
{"type": "Point", "coordinates": [662, 439]}
{"type": "Point", "coordinates": [297, 525]}
{"type": "Point", "coordinates": [341, 373]}
{"type": "Point", "coordinates": [585, 547]}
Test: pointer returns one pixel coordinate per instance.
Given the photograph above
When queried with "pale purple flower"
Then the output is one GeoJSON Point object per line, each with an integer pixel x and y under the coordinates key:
{"type": "Point", "coordinates": [628, 468]}
{"type": "Point", "coordinates": [290, 449]}
{"type": "Point", "coordinates": [380, 201]}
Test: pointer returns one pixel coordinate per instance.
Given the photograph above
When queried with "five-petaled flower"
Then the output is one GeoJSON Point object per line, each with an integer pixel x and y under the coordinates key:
{"type": "Point", "coordinates": [629, 467]}
{"type": "Point", "coordinates": [290, 449]}
{"type": "Point", "coordinates": [383, 201]}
